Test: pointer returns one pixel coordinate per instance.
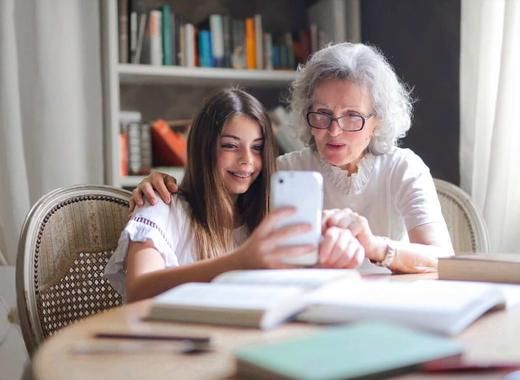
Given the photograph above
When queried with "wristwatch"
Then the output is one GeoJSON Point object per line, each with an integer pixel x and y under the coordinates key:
{"type": "Point", "coordinates": [390, 253]}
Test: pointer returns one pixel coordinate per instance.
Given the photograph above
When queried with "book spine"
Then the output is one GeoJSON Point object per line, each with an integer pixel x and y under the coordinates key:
{"type": "Point", "coordinates": [226, 34]}
{"type": "Point", "coordinates": [259, 42]}
{"type": "Point", "coordinates": [155, 38]}
{"type": "Point", "coordinates": [166, 35]}
{"type": "Point", "coordinates": [137, 58]}
{"type": "Point", "coordinates": [314, 38]}
{"type": "Point", "coordinates": [217, 39]}
{"type": "Point", "coordinates": [174, 30]}
{"type": "Point", "coordinates": [123, 30]}
{"type": "Point", "coordinates": [189, 45]}
{"type": "Point", "coordinates": [182, 45]}
{"type": "Point", "coordinates": [250, 43]}
{"type": "Point", "coordinates": [169, 147]}
{"type": "Point", "coordinates": [268, 51]}
{"type": "Point", "coordinates": [238, 57]}
{"type": "Point", "coordinates": [290, 50]}
{"type": "Point", "coordinates": [123, 149]}
{"type": "Point", "coordinates": [134, 30]}
{"type": "Point", "coordinates": [276, 57]}
{"type": "Point", "coordinates": [134, 148]}
{"type": "Point", "coordinates": [146, 149]}
{"type": "Point", "coordinates": [206, 57]}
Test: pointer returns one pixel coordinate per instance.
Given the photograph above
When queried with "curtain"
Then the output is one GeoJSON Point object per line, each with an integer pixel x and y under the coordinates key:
{"type": "Point", "coordinates": [50, 104]}
{"type": "Point", "coordinates": [490, 123]}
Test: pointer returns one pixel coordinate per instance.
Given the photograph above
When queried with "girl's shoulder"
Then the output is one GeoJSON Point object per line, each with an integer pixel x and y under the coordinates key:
{"type": "Point", "coordinates": [162, 212]}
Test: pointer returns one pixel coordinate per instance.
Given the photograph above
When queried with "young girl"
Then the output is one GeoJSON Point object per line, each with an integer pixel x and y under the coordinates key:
{"type": "Point", "coordinates": [223, 196]}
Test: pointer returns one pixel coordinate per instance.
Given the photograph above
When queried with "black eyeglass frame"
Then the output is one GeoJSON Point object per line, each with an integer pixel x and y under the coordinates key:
{"type": "Point", "coordinates": [336, 119]}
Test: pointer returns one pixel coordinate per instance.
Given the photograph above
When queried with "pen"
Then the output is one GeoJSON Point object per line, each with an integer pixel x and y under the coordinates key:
{"type": "Point", "coordinates": [135, 336]}
{"type": "Point", "coordinates": [126, 347]}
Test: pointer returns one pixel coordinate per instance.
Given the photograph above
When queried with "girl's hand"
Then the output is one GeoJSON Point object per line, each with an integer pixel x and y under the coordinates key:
{"type": "Point", "coordinates": [340, 249]}
{"type": "Point", "coordinates": [265, 249]}
{"type": "Point", "coordinates": [161, 183]}
{"type": "Point", "coordinates": [374, 246]}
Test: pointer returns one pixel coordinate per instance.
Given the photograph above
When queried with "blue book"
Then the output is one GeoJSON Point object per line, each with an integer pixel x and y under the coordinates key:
{"type": "Point", "coordinates": [357, 351]}
{"type": "Point", "coordinates": [205, 54]}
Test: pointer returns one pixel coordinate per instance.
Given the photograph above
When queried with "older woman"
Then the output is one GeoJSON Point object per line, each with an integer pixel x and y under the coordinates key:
{"type": "Point", "coordinates": [352, 110]}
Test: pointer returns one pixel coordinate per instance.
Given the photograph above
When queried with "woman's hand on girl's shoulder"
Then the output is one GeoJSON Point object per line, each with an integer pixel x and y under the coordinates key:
{"type": "Point", "coordinates": [163, 184]}
{"type": "Point", "coordinates": [265, 248]}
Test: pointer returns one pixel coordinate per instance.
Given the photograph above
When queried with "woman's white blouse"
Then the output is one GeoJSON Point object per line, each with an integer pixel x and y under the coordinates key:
{"type": "Point", "coordinates": [168, 228]}
{"type": "Point", "coordinates": [394, 191]}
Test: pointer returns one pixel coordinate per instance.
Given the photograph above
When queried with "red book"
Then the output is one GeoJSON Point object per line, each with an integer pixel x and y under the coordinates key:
{"type": "Point", "coordinates": [123, 151]}
{"type": "Point", "coordinates": [169, 147]}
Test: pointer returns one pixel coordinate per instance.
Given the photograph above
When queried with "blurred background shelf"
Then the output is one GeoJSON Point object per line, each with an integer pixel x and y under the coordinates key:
{"type": "Point", "coordinates": [132, 181]}
{"type": "Point", "coordinates": [148, 74]}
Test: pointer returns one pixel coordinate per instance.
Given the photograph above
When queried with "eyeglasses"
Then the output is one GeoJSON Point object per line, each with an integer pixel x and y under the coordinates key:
{"type": "Point", "coordinates": [351, 122]}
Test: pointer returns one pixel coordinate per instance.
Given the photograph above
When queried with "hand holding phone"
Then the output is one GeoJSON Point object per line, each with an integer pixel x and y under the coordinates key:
{"type": "Point", "coordinates": [302, 190]}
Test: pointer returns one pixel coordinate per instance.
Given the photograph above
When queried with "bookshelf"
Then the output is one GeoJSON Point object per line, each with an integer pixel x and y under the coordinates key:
{"type": "Point", "coordinates": [175, 92]}
{"type": "Point", "coordinates": [131, 74]}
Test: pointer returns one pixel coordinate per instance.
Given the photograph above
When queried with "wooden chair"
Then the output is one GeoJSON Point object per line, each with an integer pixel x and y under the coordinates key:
{"type": "Point", "coordinates": [466, 225]}
{"type": "Point", "coordinates": [66, 240]}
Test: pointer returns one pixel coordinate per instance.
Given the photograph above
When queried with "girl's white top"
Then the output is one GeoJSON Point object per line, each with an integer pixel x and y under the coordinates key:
{"type": "Point", "coordinates": [168, 228]}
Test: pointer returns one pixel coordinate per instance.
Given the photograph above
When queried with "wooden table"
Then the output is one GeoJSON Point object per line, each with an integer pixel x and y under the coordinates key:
{"type": "Point", "coordinates": [495, 336]}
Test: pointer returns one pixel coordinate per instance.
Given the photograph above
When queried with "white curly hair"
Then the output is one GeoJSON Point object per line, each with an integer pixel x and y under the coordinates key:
{"type": "Point", "coordinates": [366, 66]}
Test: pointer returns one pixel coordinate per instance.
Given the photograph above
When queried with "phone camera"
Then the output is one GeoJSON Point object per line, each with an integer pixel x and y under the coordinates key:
{"type": "Point", "coordinates": [280, 180]}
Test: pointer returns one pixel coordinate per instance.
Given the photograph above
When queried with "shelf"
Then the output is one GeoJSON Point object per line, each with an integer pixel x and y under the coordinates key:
{"type": "Point", "coordinates": [133, 180]}
{"type": "Point", "coordinates": [201, 76]}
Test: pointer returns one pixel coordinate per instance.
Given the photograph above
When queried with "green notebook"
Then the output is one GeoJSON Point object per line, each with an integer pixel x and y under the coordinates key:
{"type": "Point", "coordinates": [361, 350]}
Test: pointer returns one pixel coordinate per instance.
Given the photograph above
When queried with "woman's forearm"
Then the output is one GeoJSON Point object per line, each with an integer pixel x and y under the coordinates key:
{"type": "Point", "coordinates": [416, 258]}
{"type": "Point", "coordinates": [427, 244]}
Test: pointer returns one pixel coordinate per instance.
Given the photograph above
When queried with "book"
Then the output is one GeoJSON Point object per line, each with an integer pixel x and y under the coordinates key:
{"type": "Point", "coordinates": [358, 351]}
{"type": "Point", "coordinates": [141, 32]}
{"type": "Point", "coordinates": [226, 36]}
{"type": "Point", "coordinates": [122, 8]}
{"type": "Point", "coordinates": [488, 268]}
{"type": "Point", "coordinates": [217, 39]}
{"type": "Point", "coordinates": [205, 53]}
{"type": "Point", "coordinates": [139, 148]}
{"type": "Point", "coordinates": [169, 147]}
{"type": "Point", "coordinates": [250, 43]}
{"type": "Point", "coordinates": [125, 118]}
{"type": "Point", "coordinates": [155, 37]}
{"type": "Point", "coordinates": [166, 35]}
{"type": "Point", "coordinates": [445, 307]}
{"type": "Point", "coordinates": [248, 298]}
{"type": "Point", "coordinates": [238, 55]}
{"type": "Point", "coordinates": [259, 42]}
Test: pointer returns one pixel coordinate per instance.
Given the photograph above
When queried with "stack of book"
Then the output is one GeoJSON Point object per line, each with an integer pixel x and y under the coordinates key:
{"type": "Point", "coordinates": [159, 143]}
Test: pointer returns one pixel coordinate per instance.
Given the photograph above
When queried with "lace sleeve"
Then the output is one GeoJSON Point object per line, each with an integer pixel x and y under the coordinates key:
{"type": "Point", "coordinates": [150, 223]}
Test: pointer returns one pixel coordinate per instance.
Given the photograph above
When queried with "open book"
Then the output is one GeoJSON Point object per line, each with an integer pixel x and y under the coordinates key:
{"type": "Point", "coordinates": [445, 307]}
{"type": "Point", "coordinates": [250, 298]}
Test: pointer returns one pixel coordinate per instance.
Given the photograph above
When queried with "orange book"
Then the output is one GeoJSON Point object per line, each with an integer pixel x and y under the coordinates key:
{"type": "Point", "coordinates": [123, 151]}
{"type": "Point", "coordinates": [250, 43]}
{"type": "Point", "coordinates": [169, 147]}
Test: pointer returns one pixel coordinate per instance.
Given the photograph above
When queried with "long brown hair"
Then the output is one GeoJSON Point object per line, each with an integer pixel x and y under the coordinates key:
{"type": "Point", "coordinates": [212, 210]}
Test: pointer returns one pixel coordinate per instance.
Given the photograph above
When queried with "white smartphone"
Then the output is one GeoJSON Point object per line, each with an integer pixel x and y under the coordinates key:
{"type": "Point", "coordinates": [302, 190]}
